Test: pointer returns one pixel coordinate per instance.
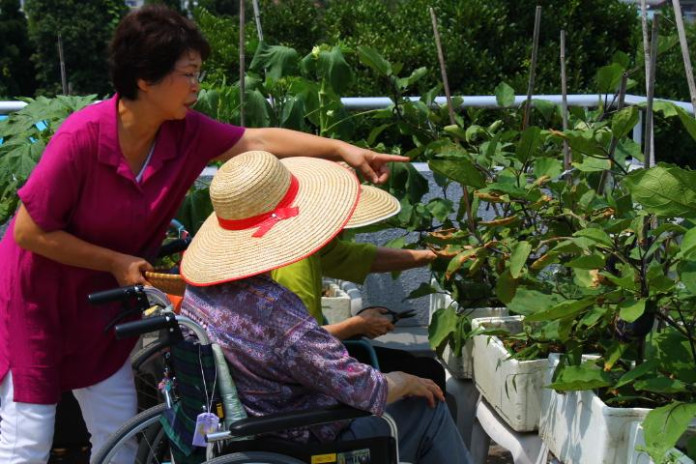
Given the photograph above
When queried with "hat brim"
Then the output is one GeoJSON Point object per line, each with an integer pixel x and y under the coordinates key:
{"type": "Point", "coordinates": [375, 205]}
{"type": "Point", "coordinates": [326, 199]}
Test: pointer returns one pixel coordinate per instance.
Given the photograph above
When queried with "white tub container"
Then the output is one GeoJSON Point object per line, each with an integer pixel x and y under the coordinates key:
{"type": "Point", "coordinates": [580, 428]}
{"type": "Point", "coordinates": [636, 441]}
{"type": "Point", "coordinates": [513, 388]}
{"type": "Point", "coordinates": [335, 304]}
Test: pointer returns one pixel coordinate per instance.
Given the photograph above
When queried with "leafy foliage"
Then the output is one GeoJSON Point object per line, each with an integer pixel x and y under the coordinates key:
{"type": "Point", "coordinates": [16, 72]}
{"type": "Point", "coordinates": [24, 136]}
{"type": "Point", "coordinates": [86, 28]}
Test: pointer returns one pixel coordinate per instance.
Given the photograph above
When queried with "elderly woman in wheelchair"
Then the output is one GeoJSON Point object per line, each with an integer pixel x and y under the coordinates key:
{"type": "Point", "coordinates": [270, 213]}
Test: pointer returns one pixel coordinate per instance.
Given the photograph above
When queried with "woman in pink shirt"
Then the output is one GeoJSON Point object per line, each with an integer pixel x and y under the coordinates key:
{"type": "Point", "coordinates": [95, 211]}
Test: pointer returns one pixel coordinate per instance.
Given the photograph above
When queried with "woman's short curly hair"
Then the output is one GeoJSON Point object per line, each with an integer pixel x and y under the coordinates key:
{"type": "Point", "coordinates": [147, 44]}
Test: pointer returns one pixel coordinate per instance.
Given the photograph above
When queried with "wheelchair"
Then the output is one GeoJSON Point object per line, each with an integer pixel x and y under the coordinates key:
{"type": "Point", "coordinates": [196, 378]}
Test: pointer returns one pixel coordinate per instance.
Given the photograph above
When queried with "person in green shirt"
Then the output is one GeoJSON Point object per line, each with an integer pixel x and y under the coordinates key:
{"type": "Point", "coordinates": [353, 262]}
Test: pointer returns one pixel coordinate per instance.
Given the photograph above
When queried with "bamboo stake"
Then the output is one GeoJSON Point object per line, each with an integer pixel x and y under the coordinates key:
{"type": "Point", "coordinates": [649, 142]}
{"type": "Point", "coordinates": [443, 69]}
{"type": "Point", "coordinates": [257, 18]}
{"type": "Point", "coordinates": [685, 52]}
{"type": "Point", "coordinates": [242, 59]}
{"type": "Point", "coordinates": [532, 67]}
{"type": "Point", "coordinates": [445, 83]}
{"type": "Point", "coordinates": [61, 58]}
{"type": "Point", "coordinates": [564, 103]}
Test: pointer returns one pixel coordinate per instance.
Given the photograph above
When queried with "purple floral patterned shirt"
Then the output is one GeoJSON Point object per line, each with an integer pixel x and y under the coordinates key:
{"type": "Point", "coordinates": [281, 359]}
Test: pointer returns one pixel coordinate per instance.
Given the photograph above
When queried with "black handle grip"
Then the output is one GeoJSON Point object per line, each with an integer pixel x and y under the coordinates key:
{"type": "Point", "coordinates": [116, 294]}
{"type": "Point", "coordinates": [175, 246]}
{"type": "Point", "coordinates": [136, 328]}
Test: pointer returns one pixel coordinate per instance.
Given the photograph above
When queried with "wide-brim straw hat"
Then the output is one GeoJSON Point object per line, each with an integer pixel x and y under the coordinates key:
{"type": "Point", "coordinates": [375, 205]}
{"type": "Point", "coordinates": [267, 214]}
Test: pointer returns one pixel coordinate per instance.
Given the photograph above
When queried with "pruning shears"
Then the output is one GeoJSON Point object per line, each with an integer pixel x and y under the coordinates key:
{"type": "Point", "coordinates": [395, 316]}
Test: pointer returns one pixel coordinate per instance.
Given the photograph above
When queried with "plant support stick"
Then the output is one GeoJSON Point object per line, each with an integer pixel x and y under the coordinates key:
{"type": "Point", "coordinates": [564, 103]}
{"type": "Point", "coordinates": [532, 67]}
{"type": "Point", "coordinates": [650, 79]}
{"type": "Point", "coordinates": [443, 71]}
{"type": "Point", "coordinates": [685, 52]}
{"type": "Point", "coordinates": [242, 58]}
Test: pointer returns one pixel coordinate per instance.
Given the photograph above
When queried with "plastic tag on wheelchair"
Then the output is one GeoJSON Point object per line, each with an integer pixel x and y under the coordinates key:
{"type": "Point", "coordinates": [206, 423]}
{"type": "Point", "coordinates": [361, 456]}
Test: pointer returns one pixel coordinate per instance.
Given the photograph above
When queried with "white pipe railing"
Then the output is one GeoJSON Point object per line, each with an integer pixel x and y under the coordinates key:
{"type": "Point", "coordinates": [477, 101]}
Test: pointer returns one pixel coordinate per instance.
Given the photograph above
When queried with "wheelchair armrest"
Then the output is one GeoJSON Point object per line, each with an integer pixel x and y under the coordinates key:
{"type": "Point", "coordinates": [294, 419]}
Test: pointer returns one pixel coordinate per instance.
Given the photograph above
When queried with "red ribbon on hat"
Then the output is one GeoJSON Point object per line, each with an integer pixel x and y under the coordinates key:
{"type": "Point", "coordinates": [266, 221]}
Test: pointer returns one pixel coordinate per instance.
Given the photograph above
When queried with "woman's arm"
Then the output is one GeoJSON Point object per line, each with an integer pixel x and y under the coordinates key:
{"type": "Point", "coordinates": [285, 142]}
{"type": "Point", "coordinates": [394, 259]}
{"type": "Point", "coordinates": [370, 323]}
{"type": "Point", "coordinates": [65, 248]}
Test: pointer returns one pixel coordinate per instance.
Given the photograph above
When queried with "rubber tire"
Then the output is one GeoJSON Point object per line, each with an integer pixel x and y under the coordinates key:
{"type": "Point", "coordinates": [135, 425]}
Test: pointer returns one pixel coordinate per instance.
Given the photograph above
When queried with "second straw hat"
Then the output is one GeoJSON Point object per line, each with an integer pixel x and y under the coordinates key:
{"type": "Point", "coordinates": [375, 205]}
{"type": "Point", "coordinates": [268, 213]}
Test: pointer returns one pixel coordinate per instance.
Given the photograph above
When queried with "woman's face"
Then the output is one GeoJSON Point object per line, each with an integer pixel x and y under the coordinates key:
{"type": "Point", "coordinates": [178, 90]}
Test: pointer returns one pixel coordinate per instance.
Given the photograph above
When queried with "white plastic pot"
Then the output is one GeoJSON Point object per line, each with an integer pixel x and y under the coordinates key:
{"type": "Point", "coordinates": [580, 428]}
{"type": "Point", "coordinates": [636, 441]}
{"type": "Point", "coordinates": [513, 388]}
{"type": "Point", "coordinates": [336, 304]}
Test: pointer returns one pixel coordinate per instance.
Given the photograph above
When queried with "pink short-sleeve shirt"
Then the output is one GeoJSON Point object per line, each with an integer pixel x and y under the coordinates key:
{"type": "Point", "coordinates": [51, 338]}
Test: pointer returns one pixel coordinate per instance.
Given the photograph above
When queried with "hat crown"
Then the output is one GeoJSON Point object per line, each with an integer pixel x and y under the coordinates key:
{"type": "Point", "coordinates": [248, 185]}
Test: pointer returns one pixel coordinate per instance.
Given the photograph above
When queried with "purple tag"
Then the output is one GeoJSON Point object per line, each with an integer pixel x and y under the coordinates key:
{"type": "Point", "coordinates": [206, 423]}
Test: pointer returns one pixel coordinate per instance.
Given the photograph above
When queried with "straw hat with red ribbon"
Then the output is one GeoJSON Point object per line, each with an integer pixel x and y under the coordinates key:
{"type": "Point", "coordinates": [267, 214]}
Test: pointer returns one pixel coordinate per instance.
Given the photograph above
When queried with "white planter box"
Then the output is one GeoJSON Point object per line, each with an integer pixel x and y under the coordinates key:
{"type": "Point", "coordinates": [636, 439]}
{"type": "Point", "coordinates": [461, 367]}
{"type": "Point", "coordinates": [513, 388]}
{"type": "Point", "coordinates": [580, 428]}
{"type": "Point", "coordinates": [336, 305]}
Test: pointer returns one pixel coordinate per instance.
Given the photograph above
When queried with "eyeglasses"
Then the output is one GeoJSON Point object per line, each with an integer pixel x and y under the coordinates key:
{"type": "Point", "coordinates": [193, 78]}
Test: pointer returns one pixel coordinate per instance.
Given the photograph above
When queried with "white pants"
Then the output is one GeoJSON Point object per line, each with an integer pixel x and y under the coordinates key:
{"type": "Point", "coordinates": [26, 430]}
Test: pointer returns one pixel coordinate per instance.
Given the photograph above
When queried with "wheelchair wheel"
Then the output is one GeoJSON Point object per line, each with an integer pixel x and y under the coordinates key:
{"type": "Point", "coordinates": [254, 457]}
{"type": "Point", "coordinates": [146, 430]}
{"type": "Point", "coordinates": [148, 366]}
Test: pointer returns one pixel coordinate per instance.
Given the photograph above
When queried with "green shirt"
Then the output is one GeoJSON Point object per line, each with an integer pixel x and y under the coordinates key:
{"type": "Point", "coordinates": [338, 259]}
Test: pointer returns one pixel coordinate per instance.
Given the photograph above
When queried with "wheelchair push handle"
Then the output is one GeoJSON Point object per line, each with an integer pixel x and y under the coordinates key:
{"type": "Point", "coordinates": [151, 324]}
{"type": "Point", "coordinates": [116, 294]}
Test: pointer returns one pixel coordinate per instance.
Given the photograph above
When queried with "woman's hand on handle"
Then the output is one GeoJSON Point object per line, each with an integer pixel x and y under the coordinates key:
{"type": "Point", "coordinates": [130, 270]}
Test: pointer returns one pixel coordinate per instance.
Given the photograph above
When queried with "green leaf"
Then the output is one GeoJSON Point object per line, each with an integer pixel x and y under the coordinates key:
{"type": "Point", "coordinates": [506, 287]}
{"type": "Point", "coordinates": [442, 325]}
{"type": "Point", "coordinates": [371, 57]}
{"type": "Point", "coordinates": [624, 121]}
{"type": "Point", "coordinates": [687, 275]}
{"type": "Point", "coordinates": [665, 425]}
{"type": "Point", "coordinates": [563, 310]}
{"type": "Point", "coordinates": [277, 60]}
{"type": "Point", "coordinates": [528, 144]}
{"type": "Point", "coordinates": [423, 289]}
{"type": "Point", "coordinates": [662, 385]}
{"type": "Point", "coordinates": [593, 261]}
{"type": "Point", "coordinates": [461, 170]}
{"type": "Point", "coordinates": [688, 244]}
{"type": "Point", "coordinates": [440, 208]}
{"type": "Point", "coordinates": [586, 376]}
{"type": "Point", "coordinates": [591, 164]}
{"type": "Point", "coordinates": [504, 95]}
{"type": "Point", "coordinates": [632, 310]}
{"type": "Point", "coordinates": [418, 74]}
{"type": "Point", "coordinates": [528, 301]}
{"type": "Point", "coordinates": [666, 191]}
{"type": "Point", "coordinates": [333, 67]}
{"type": "Point", "coordinates": [647, 367]}
{"type": "Point", "coordinates": [609, 77]}
{"type": "Point", "coordinates": [518, 258]}
{"type": "Point", "coordinates": [596, 235]}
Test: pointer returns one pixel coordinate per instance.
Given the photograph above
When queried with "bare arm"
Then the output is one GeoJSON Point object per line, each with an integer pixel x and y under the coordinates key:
{"type": "Point", "coordinates": [286, 142]}
{"type": "Point", "coordinates": [402, 385]}
{"type": "Point", "coordinates": [67, 249]}
{"type": "Point", "coordinates": [369, 323]}
{"type": "Point", "coordinates": [393, 259]}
